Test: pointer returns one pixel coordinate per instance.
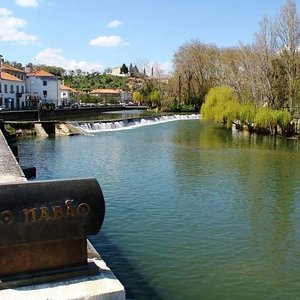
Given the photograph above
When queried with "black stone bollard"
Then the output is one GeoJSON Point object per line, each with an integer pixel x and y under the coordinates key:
{"type": "Point", "coordinates": [44, 226]}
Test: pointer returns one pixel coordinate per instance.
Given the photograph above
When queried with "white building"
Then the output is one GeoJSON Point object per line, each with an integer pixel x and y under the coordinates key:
{"type": "Point", "coordinates": [116, 71]}
{"type": "Point", "coordinates": [68, 94]}
{"type": "Point", "coordinates": [21, 74]}
{"type": "Point", "coordinates": [43, 87]}
{"type": "Point", "coordinates": [12, 91]}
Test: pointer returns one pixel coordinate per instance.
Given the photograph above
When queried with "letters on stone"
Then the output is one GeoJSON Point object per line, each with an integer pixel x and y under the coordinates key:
{"type": "Point", "coordinates": [44, 226]}
{"type": "Point", "coordinates": [53, 213]}
{"type": "Point", "coordinates": [50, 210]}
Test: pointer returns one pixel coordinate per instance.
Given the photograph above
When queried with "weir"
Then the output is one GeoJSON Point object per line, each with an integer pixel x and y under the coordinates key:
{"type": "Point", "coordinates": [44, 253]}
{"type": "Point", "coordinates": [129, 123]}
{"type": "Point", "coordinates": [63, 128]}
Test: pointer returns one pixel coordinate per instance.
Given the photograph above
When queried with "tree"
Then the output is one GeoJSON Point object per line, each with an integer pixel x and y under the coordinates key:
{"type": "Point", "coordinates": [135, 72]}
{"type": "Point", "coordinates": [221, 105]}
{"type": "Point", "coordinates": [124, 69]}
{"type": "Point", "coordinates": [288, 42]}
{"type": "Point", "coordinates": [107, 70]}
{"type": "Point", "coordinates": [155, 97]}
{"type": "Point", "coordinates": [130, 69]}
{"type": "Point", "coordinates": [197, 65]}
{"type": "Point", "coordinates": [137, 97]}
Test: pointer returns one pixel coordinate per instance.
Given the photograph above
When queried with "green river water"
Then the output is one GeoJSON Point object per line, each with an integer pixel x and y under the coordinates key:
{"type": "Point", "coordinates": [194, 211]}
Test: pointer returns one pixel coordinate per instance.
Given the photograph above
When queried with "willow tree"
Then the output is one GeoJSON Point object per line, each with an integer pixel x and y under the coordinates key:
{"type": "Point", "coordinates": [221, 105]}
{"type": "Point", "coordinates": [270, 121]}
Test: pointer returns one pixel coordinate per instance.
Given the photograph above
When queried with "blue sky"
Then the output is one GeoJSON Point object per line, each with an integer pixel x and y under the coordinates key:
{"type": "Point", "coordinates": [96, 34]}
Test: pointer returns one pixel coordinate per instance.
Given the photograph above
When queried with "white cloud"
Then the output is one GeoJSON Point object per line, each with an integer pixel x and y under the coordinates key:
{"type": "Point", "coordinates": [162, 69]}
{"type": "Point", "coordinates": [108, 41]}
{"type": "Point", "coordinates": [11, 29]}
{"type": "Point", "coordinates": [5, 12]}
{"type": "Point", "coordinates": [114, 24]}
{"type": "Point", "coordinates": [54, 57]}
{"type": "Point", "coordinates": [28, 3]}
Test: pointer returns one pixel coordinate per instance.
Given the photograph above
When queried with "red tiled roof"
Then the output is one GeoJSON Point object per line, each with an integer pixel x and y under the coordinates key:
{"type": "Point", "coordinates": [6, 67]}
{"type": "Point", "coordinates": [6, 76]}
{"type": "Point", "coordinates": [65, 87]}
{"type": "Point", "coordinates": [105, 91]}
{"type": "Point", "coordinates": [41, 73]}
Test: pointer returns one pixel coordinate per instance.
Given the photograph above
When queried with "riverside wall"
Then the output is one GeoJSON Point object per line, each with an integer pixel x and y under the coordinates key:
{"type": "Point", "coordinates": [102, 286]}
{"type": "Point", "coordinates": [58, 114]}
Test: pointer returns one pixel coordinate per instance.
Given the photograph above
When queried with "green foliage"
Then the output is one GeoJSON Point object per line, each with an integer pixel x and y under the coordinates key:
{"type": "Point", "coordinates": [268, 119]}
{"type": "Point", "coordinates": [9, 129]}
{"type": "Point", "coordinates": [124, 69]}
{"type": "Point", "coordinates": [221, 105]}
{"type": "Point", "coordinates": [168, 103]}
{"type": "Point", "coordinates": [91, 81]}
{"type": "Point", "coordinates": [155, 96]}
{"type": "Point", "coordinates": [247, 113]}
{"type": "Point", "coordinates": [283, 118]}
{"type": "Point", "coordinates": [137, 97]}
{"type": "Point", "coordinates": [183, 108]}
{"type": "Point", "coordinates": [279, 83]}
{"type": "Point", "coordinates": [147, 92]}
{"type": "Point", "coordinates": [263, 118]}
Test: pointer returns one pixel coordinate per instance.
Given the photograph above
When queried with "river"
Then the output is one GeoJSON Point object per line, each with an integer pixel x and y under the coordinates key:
{"type": "Point", "coordinates": [194, 211]}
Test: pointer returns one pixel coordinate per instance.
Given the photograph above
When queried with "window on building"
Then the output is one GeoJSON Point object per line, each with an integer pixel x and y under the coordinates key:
{"type": "Point", "coordinates": [22, 89]}
{"type": "Point", "coordinates": [44, 82]}
{"type": "Point", "coordinates": [18, 89]}
{"type": "Point", "coordinates": [5, 88]}
{"type": "Point", "coordinates": [0, 88]}
{"type": "Point", "coordinates": [45, 94]}
{"type": "Point", "coordinates": [11, 88]}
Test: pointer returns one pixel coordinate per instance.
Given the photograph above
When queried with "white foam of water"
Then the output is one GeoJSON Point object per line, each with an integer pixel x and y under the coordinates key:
{"type": "Point", "coordinates": [92, 127]}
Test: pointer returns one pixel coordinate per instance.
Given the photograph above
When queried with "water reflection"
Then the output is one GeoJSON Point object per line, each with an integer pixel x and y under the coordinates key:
{"type": "Point", "coordinates": [193, 211]}
{"type": "Point", "coordinates": [247, 185]}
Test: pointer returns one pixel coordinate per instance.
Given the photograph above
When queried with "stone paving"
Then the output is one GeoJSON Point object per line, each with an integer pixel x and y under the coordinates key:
{"type": "Point", "coordinates": [10, 171]}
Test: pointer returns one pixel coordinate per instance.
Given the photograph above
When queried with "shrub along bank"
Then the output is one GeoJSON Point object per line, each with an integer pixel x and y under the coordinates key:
{"type": "Point", "coordinates": [222, 105]}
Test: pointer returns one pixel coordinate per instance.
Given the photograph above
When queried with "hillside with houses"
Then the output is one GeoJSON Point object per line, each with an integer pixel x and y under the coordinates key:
{"type": "Point", "coordinates": [52, 87]}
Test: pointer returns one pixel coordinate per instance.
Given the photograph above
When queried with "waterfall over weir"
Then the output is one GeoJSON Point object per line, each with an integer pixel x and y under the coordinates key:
{"type": "Point", "coordinates": [94, 127]}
